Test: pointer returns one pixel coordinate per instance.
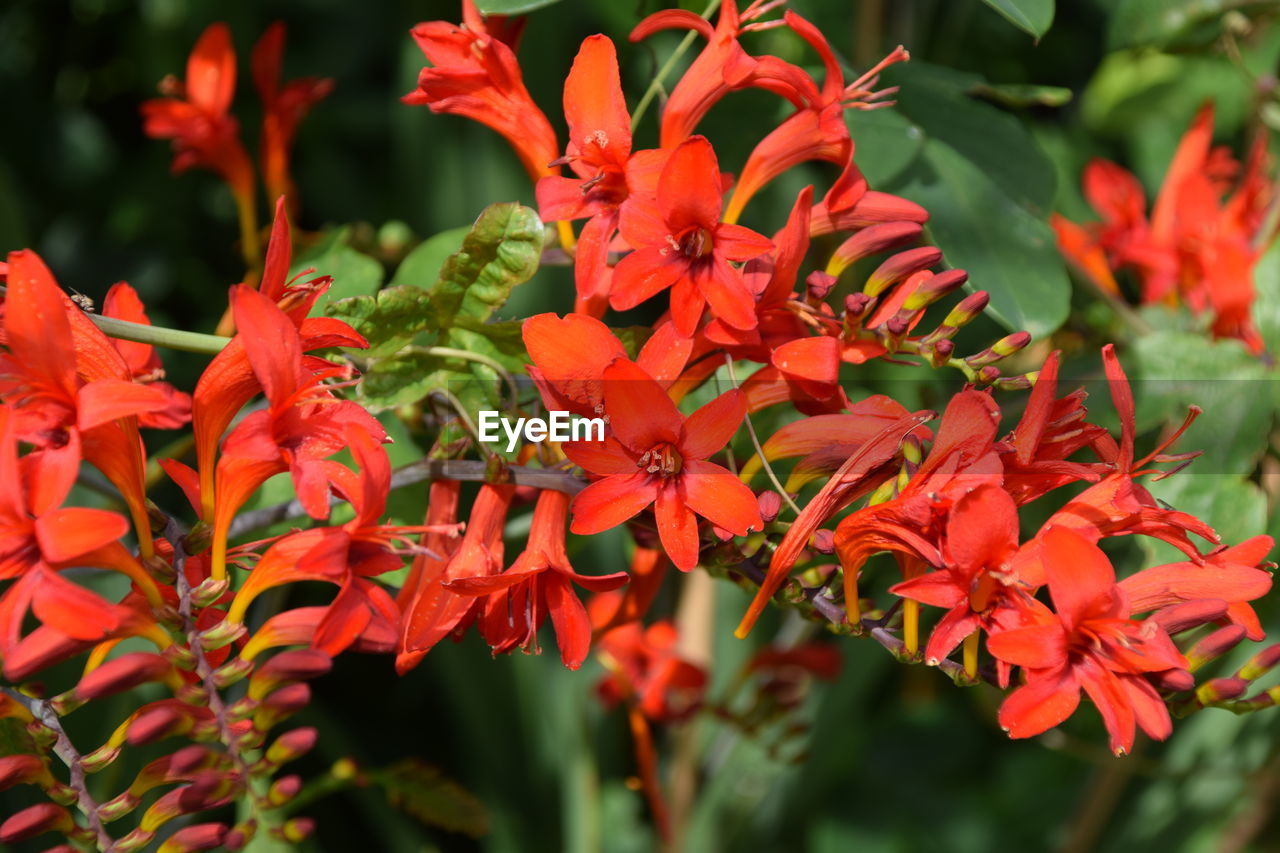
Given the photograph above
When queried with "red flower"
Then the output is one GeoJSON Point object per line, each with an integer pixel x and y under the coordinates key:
{"type": "Point", "coordinates": [645, 667]}
{"type": "Point", "coordinates": [655, 456]}
{"type": "Point", "coordinates": [474, 73]}
{"type": "Point", "coordinates": [283, 108]}
{"type": "Point", "coordinates": [976, 583]}
{"type": "Point", "coordinates": [681, 243]}
{"type": "Point", "coordinates": [122, 303]}
{"type": "Point", "coordinates": [302, 426]}
{"type": "Point", "coordinates": [1090, 643]}
{"type": "Point", "coordinates": [539, 583]}
{"type": "Point", "coordinates": [598, 151]}
{"type": "Point", "coordinates": [347, 555]}
{"type": "Point", "coordinates": [204, 133]}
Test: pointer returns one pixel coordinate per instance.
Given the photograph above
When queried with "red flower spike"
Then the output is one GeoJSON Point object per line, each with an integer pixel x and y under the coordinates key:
{"type": "Point", "coordinates": [283, 108]}
{"type": "Point", "coordinates": [681, 243]}
{"type": "Point", "coordinates": [655, 456]}
{"type": "Point", "coordinates": [1089, 644]}
{"type": "Point", "coordinates": [198, 120]}
{"type": "Point", "coordinates": [537, 585]}
{"type": "Point", "coordinates": [474, 73]}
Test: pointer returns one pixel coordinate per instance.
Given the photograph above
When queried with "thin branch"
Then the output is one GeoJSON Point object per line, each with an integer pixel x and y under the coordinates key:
{"type": "Point", "coordinates": [667, 67]}
{"type": "Point", "coordinates": [66, 750]}
{"type": "Point", "coordinates": [755, 442]}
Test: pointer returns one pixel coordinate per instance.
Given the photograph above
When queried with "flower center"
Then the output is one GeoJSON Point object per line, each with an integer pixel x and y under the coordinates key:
{"type": "Point", "coordinates": [695, 243]}
{"type": "Point", "coordinates": [663, 460]}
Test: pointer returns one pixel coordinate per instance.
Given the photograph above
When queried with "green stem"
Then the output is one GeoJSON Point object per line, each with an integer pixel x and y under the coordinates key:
{"type": "Point", "coordinates": [667, 67]}
{"type": "Point", "coordinates": [755, 442]}
{"type": "Point", "coordinates": [159, 336]}
{"type": "Point", "coordinates": [478, 358]}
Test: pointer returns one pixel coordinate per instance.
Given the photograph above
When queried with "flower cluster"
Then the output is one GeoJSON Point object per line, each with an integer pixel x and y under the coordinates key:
{"type": "Point", "coordinates": [1207, 229]}
{"type": "Point", "coordinates": [935, 510]}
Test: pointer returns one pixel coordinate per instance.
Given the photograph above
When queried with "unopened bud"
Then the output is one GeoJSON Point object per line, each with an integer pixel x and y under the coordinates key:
{"type": "Point", "coordinates": [1260, 664]}
{"type": "Point", "coordinates": [1002, 348]}
{"type": "Point", "coordinates": [818, 285]}
{"type": "Point", "coordinates": [117, 808]}
{"type": "Point", "coordinates": [899, 267]}
{"type": "Point", "coordinates": [160, 722]}
{"type": "Point", "coordinates": [1186, 615]}
{"type": "Point", "coordinates": [194, 838]}
{"type": "Point", "coordinates": [893, 333]}
{"type": "Point", "coordinates": [282, 703]}
{"type": "Point", "coordinates": [209, 591]}
{"type": "Point", "coordinates": [99, 758]}
{"type": "Point", "coordinates": [934, 289]}
{"type": "Point", "coordinates": [123, 673]}
{"type": "Point", "coordinates": [295, 665]}
{"type": "Point", "coordinates": [283, 790]}
{"type": "Point", "coordinates": [823, 541]}
{"type": "Point", "coordinates": [965, 312]}
{"type": "Point", "coordinates": [1022, 382]}
{"type": "Point", "coordinates": [873, 240]}
{"type": "Point", "coordinates": [22, 770]}
{"type": "Point", "coordinates": [290, 745]}
{"type": "Point", "coordinates": [770, 504]}
{"type": "Point", "coordinates": [199, 539]}
{"type": "Point", "coordinates": [36, 820]}
{"type": "Point", "coordinates": [298, 829]}
{"type": "Point", "coordinates": [344, 769]}
{"type": "Point", "coordinates": [180, 656]}
{"type": "Point", "coordinates": [939, 352]}
{"type": "Point", "coordinates": [231, 672]}
{"type": "Point", "coordinates": [1221, 690]}
{"type": "Point", "coordinates": [222, 634]}
{"type": "Point", "coordinates": [159, 568]}
{"type": "Point", "coordinates": [1174, 680]}
{"type": "Point", "coordinates": [987, 375]}
{"type": "Point", "coordinates": [1214, 646]}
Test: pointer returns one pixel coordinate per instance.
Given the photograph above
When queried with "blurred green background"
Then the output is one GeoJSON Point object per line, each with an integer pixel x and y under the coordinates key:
{"type": "Point", "coordinates": [896, 759]}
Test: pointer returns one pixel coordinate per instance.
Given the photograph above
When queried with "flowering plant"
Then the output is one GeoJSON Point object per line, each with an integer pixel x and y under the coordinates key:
{"type": "Point", "coordinates": [212, 553]}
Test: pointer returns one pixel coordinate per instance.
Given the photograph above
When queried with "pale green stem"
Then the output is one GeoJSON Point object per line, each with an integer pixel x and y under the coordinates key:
{"type": "Point", "coordinates": [755, 442]}
{"type": "Point", "coordinates": [667, 67]}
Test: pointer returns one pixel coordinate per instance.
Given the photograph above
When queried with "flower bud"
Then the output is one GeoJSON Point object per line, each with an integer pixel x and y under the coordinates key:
{"type": "Point", "coordinates": [224, 633]}
{"type": "Point", "coordinates": [232, 672]}
{"type": "Point", "coordinates": [939, 352]}
{"type": "Point", "coordinates": [818, 285]}
{"type": "Point", "coordinates": [1174, 680]}
{"type": "Point", "coordinates": [965, 312]}
{"type": "Point", "coordinates": [159, 568]}
{"type": "Point", "coordinates": [770, 504]}
{"type": "Point", "coordinates": [209, 591]}
{"type": "Point", "coordinates": [1260, 664]}
{"type": "Point", "coordinates": [199, 539]}
{"type": "Point", "coordinates": [900, 266]}
{"type": "Point", "coordinates": [296, 665]}
{"type": "Point", "coordinates": [23, 770]}
{"type": "Point", "coordinates": [1221, 690]}
{"type": "Point", "coordinates": [297, 830]}
{"type": "Point", "coordinates": [290, 745]}
{"type": "Point", "coordinates": [283, 790]}
{"type": "Point", "coordinates": [160, 722]}
{"type": "Point", "coordinates": [1214, 646]}
{"type": "Point", "coordinates": [1186, 615]}
{"type": "Point", "coordinates": [932, 290]}
{"type": "Point", "coordinates": [872, 241]}
{"type": "Point", "coordinates": [1002, 348]}
{"type": "Point", "coordinates": [823, 541]}
{"type": "Point", "coordinates": [198, 836]}
{"type": "Point", "coordinates": [280, 705]}
{"type": "Point", "coordinates": [35, 820]}
{"type": "Point", "coordinates": [124, 673]}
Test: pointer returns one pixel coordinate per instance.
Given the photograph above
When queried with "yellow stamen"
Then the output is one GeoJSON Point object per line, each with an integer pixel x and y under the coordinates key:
{"type": "Point", "coordinates": [971, 655]}
{"type": "Point", "coordinates": [568, 242]}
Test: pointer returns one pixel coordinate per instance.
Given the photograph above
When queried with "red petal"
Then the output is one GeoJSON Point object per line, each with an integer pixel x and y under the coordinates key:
{"type": "Point", "coordinates": [727, 293]}
{"type": "Point", "coordinates": [720, 497]}
{"type": "Point", "coordinates": [710, 427]}
{"type": "Point", "coordinates": [1042, 703]}
{"type": "Point", "coordinates": [71, 609]}
{"type": "Point", "coordinates": [1034, 647]}
{"type": "Point", "coordinates": [211, 70]}
{"type": "Point", "coordinates": [1112, 701]}
{"type": "Point", "coordinates": [110, 399]}
{"type": "Point", "coordinates": [66, 533]}
{"type": "Point", "coordinates": [593, 100]}
{"type": "Point", "coordinates": [665, 354]}
{"type": "Point", "coordinates": [677, 528]}
{"type": "Point", "coordinates": [982, 530]}
{"type": "Point", "coordinates": [740, 244]}
{"type": "Point", "coordinates": [813, 358]}
{"type": "Point", "coordinates": [569, 618]}
{"type": "Point", "coordinates": [1122, 397]}
{"type": "Point", "coordinates": [275, 271]}
{"type": "Point", "coordinates": [644, 273]}
{"type": "Point", "coordinates": [609, 502]}
{"type": "Point", "coordinates": [1077, 571]}
{"type": "Point", "coordinates": [641, 414]}
{"type": "Point", "coordinates": [952, 629]}
{"type": "Point", "coordinates": [270, 341]}
{"type": "Point", "coordinates": [689, 190]}
{"type": "Point", "coordinates": [600, 457]}
{"type": "Point", "coordinates": [940, 589]}
{"type": "Point", "coordinates": [1149, 710]}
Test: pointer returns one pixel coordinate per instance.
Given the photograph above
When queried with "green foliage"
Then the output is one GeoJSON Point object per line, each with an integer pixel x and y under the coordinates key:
{"type": "Point", "coordinates": [988, 188]}
{"type": "Point", "coordinates": [1175, 23]}
{"type": "Point", "coordinates": [425, 793]}
{"type": "Point", "coordinates": [1031, 16]}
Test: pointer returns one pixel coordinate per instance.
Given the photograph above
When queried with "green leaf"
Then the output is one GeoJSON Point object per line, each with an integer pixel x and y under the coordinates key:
{"type": "Point", "coordinates": [885, 141]}
{"type": "Point", "coordinates": [988, 189]}
{"type": "Point", "coordinates": [1176, 23]}
{"type": "Point", "coordinates": [353, 274]}
{"type": "Point", "coordinates": [425, 793]}
{"type": "Point", "coordinates": [1031, 16]}
{"type": "Point", "coordinates": [512, 7]}
{"type": "Point", "coordinates": [502, 250]}
{"type": "Point", "coordinates": [389, 319]}
{"type": "Point", "coordinates": [421, 267]}
{"type": "Point", "coordinates": [1172, 370]}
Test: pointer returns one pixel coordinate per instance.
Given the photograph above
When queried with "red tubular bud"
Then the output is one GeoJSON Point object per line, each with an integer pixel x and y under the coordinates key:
{"type": "Point", "coordinates": [1221, 690]}
{"type": "Point", "coordinates": [208, 790]}
{"type": "Point", "coordinates": [964, 313]}
{"type": "Point", "coordinates": [872, 241]}
{"type": "Point", "coordinates": [123, 673]}
{"type": "Point", "coordinates": [819, 284]}
{"type": "Point", "coordinates": [899, 267]}
{"type": "Point", "coordinates": [281, 704]}
{"type": "Point", "coordinates": [291, 745]}
{"type": "Point", "coordinates": [1215, 645]}
{"type": "Point", "coordinates": [770, 504]}
{"type": "Point", "coordinates": [199, 836]}
{"type": "Point", "coordinates": [932, 290]}
{"type": "Point", "coordinates": [1002, 348]}
{"type": "Point", "coordinates": [35, 820]}
{"type": "Point", "coordinates": [297, 665]}
{"type": "Point", "coordinates": [1260, 664]}
{"type": "Point", "coordinates": [209, 591]}
{"type": "Point", "coordinates": [224, 633]}
{"type": "Point", "coordinates": [283, 790]}
{"type": "Point", "coordinates": [1175, 680]}
{"type": "Point", "coordinates": [22, 770]}
{"type": "Point", "coordinates": [824, 541]}
{"type": "Point", "coordinates": [1186, 615]}
{"type": "Point", "coordinates": [298, 829]}
{"type": "Point", "coordinates": [158, 723]}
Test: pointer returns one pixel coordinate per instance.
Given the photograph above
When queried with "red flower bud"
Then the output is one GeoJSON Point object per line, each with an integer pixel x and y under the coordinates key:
{"type": "Point", "coordinates": [34, 820]}
{"type": "Point", "coordinates": [123, 673]}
